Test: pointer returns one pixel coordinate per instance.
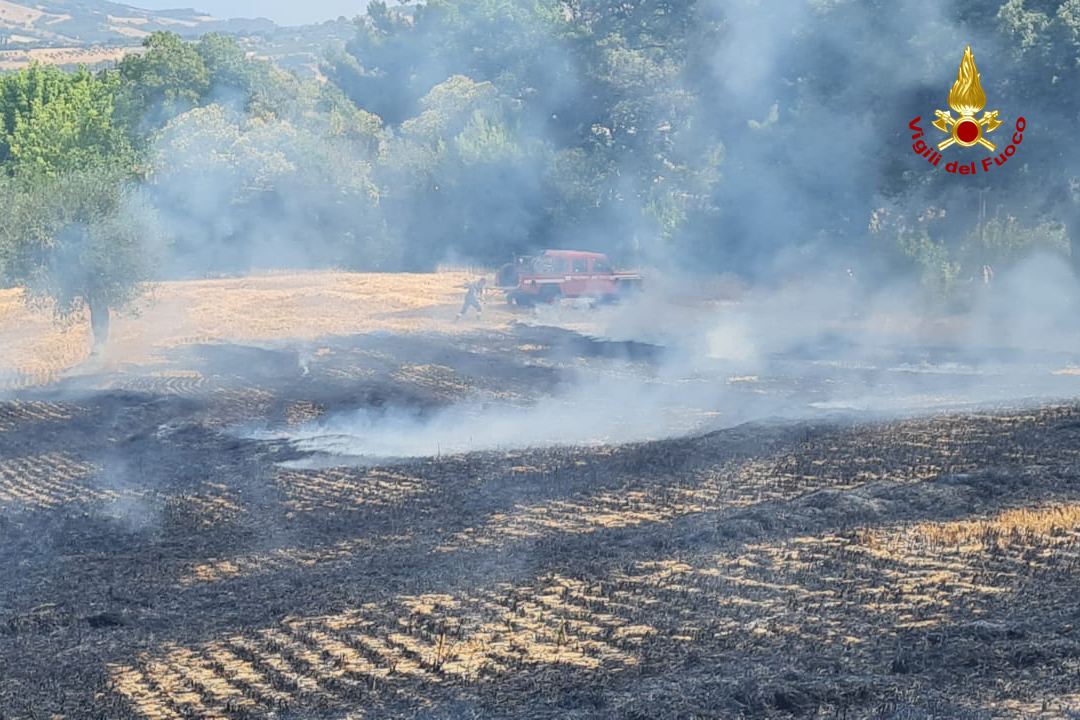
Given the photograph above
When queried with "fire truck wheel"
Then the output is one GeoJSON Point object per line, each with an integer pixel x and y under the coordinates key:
{"type": "Point", "coordinates": [550, 294]}
{"type": "Point", "coordinates": [519, 299]}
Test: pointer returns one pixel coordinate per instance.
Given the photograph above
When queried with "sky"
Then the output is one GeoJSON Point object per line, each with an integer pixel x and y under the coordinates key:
{"type": "Point", "coordinates": [283, 12]}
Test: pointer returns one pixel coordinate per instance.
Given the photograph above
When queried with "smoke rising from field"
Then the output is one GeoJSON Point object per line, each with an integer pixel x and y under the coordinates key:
{"type": "Point", "coordinates": [801, 352]}
{"type": "Point", "coordinates": [810, 101]}
{"type": "Point", "coordinates": [805, 102]}
{"type": "Point", "coordinates": [128, 505]}
{"type": "Point", "coordinates": [587, 415]}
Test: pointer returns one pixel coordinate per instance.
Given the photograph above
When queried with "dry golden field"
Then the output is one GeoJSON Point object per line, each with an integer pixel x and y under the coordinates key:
{"type": "Point", "coordinates": [36, 349]}
{"type": "Point", "coordinates": [90, 56]}
{"type": "Point", "coordinates": [170, 552]}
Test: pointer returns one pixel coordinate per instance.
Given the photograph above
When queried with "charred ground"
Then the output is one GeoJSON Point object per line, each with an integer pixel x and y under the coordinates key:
{"type": "Point", "coordinates": [158, 563]}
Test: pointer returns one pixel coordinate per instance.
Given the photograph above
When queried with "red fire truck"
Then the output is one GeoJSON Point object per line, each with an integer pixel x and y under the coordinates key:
{"type": "Point", "coordinates": [556, 274]}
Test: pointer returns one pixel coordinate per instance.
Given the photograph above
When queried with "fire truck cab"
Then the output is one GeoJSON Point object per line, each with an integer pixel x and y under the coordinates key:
{"type": "Point", "coordinates": [556, 274]}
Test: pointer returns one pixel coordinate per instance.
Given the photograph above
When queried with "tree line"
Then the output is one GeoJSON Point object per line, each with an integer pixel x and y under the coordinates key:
{"type": "Point", "coordinates": [756, 138]}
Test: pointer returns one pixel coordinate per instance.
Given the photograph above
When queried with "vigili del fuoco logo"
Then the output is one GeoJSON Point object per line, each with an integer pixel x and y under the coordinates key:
{"type": "Point", "coordinates": [967, 98]}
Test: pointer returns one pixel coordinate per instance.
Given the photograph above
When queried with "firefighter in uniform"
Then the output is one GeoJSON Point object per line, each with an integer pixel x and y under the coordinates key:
{"type": "Point", "coordinates": [474, 296]}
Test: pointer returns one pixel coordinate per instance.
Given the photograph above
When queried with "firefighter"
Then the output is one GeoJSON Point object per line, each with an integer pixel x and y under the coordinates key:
{"type": "Point", "coordinates": [474, 296]}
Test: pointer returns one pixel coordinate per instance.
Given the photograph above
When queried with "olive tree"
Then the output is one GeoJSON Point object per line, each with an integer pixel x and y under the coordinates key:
{"type": "Point", "coordinates": [79, 240]}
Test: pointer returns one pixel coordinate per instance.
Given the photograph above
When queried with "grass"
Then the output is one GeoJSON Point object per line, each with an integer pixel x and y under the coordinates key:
{"type": "Point", "coordinates": [34, 349]}
{"type": "Point", "coordinates": [1020, 526]}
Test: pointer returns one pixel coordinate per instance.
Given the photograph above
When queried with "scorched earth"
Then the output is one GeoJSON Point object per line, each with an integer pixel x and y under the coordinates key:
{"type": "Point", "coordinates": [196, 524]}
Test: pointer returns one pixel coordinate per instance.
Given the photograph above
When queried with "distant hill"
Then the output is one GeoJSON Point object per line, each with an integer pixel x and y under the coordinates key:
{"type": "Point", "coordinates": [95, 32]}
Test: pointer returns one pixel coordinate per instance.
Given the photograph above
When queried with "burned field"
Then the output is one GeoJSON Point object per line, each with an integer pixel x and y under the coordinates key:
{"type": "Point", "coordinates": [168, 552]}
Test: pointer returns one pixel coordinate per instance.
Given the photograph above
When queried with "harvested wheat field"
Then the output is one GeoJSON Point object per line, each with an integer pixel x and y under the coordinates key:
{"type": "Point", "coordinates": [34, 349]}
{"type": "Point", "coordinates": [89, 56]}
{"type": "Point", "coordinates": [315, 495]}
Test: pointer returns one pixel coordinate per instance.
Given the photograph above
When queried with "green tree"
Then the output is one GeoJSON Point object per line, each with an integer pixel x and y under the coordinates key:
{"type": "Point", "coordinates": [245, 192]}
{"type": "Point", "coordinates": [491, 99]}
{"type": "Point", "coordinates": [227, 65]}
{"type": "Point", "coordinates": [466, 160]}
{"type": "Point", "coordinates": [168, 78]}
{"type": "Point", "coordinates": [8, 199]}
{"type": "Point", "coordinates": [20, 93]}
{"type": "Point", "coordinates": [72, 129]}
{"type": "Point", "coordinates": [1045, 37]}
{"type": "Point", "coordinates": [81, 239]}
{"type": "Point", "coordinates": [54, 121]}
{"type": "Point", "coordinates": [400, 53]}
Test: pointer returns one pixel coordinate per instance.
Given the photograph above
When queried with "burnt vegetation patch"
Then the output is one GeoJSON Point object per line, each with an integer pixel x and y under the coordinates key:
{"type": "Point", "coordinates": [159, 566]}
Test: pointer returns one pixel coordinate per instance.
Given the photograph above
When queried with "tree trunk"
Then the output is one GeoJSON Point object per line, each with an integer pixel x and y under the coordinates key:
{"type": "Point", "coordinates": [99, 323]}
{"type": "Point", "coordinates": [1072, 230]}
{"type": "Point", "coordinates": [1069, 212]}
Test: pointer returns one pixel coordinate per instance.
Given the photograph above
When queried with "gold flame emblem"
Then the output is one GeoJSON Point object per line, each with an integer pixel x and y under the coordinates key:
{"type": "Point", "coordinates": [967, 98]}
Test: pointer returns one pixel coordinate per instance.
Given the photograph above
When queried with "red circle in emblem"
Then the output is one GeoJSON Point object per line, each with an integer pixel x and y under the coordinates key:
{"type": "Point", "coordinates": [967, 131]}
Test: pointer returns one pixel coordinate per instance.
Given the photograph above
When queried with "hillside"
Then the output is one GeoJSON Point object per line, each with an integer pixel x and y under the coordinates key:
{"type": "Point", "coordinates": [60, 23]}
{"type": "Point", "coordinates": [93, 32]}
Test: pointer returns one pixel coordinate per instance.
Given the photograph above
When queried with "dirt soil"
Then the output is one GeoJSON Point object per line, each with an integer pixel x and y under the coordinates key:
{"type": "Point", "coordinates": [160, 562]}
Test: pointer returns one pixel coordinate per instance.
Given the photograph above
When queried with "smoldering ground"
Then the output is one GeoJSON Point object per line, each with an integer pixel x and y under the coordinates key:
{"type": "Point", "coordinates": [257, 570]}
{"type": "Point", "coordinates": [665, 365]}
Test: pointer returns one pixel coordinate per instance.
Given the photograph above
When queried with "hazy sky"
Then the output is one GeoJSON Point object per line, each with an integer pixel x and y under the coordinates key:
{"type": "Point", "coordinates": [284, 12]}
